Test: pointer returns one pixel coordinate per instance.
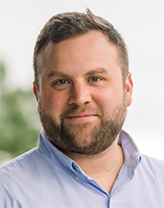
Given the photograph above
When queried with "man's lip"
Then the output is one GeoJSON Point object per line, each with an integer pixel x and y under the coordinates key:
{"type": "Point", "coordinates": [81, 117]}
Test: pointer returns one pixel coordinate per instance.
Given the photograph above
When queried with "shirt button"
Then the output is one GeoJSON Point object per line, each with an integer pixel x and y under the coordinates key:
{"type": "Point", "coordinates": [77, 168]}
{"type": "Point", "coordinates": [77, 178]}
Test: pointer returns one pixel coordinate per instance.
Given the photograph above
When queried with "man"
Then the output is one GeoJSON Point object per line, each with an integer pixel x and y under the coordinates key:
{"type": "Point", "coordinates": [83, 87]}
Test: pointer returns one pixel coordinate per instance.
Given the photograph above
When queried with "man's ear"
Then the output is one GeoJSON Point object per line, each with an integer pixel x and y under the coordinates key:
{"type": "Point", "coordinates": [129, 89]}
{"type": "Point", "coordinates": [35, 90]}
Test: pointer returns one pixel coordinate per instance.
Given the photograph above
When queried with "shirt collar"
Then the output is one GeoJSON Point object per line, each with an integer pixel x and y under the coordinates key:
{"type": "Point", "coordinates": [132, 155]}
{"type": "Point", "coordinates": [131, 152]}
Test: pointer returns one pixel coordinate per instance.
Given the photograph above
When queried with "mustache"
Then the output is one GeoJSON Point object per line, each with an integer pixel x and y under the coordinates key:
{"type": "Point", "coordinates": [79, 110]}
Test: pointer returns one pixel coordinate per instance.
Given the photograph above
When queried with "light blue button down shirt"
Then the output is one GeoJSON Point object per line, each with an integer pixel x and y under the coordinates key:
{"type": "Point", "coordinates": [46, 178]}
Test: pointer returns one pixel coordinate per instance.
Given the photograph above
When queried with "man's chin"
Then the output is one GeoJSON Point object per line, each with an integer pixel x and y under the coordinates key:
{"type": "Point", "coordinates": [81, 129]}
{"type": "Point", "coordinates": [81, 132]}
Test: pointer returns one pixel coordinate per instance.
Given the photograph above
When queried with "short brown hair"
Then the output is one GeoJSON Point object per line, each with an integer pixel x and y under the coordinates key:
{"type": "Point", "coordinates": [66, 25]}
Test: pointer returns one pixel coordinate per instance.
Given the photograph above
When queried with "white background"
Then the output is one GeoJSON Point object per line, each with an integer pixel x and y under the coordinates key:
{"type": "Point", "coordinates": [141, 23]}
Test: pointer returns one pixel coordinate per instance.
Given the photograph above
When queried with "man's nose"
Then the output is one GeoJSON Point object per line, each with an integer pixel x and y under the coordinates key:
{"type": "Point", "coordinates": [79, 95]}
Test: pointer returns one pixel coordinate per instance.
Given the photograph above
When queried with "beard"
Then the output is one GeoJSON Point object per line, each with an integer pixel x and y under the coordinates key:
{"type": "Point", "coordinates": [87, 138]}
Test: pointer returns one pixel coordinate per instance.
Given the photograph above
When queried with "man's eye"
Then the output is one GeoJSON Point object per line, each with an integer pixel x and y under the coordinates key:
{"type": "Point", "coordinates": [61, 82]}
{"type": "Point", "coordinates": [94, 79]}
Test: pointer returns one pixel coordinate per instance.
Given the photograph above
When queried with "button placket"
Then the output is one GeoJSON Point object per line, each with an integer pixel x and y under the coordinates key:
{"type": "Point", "coordinates": [77, 171]}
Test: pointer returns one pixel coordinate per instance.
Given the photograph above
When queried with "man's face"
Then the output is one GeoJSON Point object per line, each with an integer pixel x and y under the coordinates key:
{"type": "Point", "coordinates": [81, 99]}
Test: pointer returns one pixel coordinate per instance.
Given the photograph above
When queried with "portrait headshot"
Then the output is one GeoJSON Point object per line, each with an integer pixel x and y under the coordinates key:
{"type": "Point", "coordinates": [82, 104]}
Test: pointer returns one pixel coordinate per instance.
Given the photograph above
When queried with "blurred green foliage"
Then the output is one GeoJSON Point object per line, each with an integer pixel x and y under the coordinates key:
{"type": "Point", "coordinates": [19, 122]}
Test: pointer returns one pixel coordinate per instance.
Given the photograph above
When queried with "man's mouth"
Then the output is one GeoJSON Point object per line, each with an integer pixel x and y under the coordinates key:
{"type": "Point", "coordinates": [81, 117]}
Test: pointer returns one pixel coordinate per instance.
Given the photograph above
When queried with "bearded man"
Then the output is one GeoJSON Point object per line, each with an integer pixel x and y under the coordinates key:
{"type": "Point", "coordinates": [84, 159]}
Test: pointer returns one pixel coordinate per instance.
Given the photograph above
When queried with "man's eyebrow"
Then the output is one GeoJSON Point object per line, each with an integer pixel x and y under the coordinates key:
{"type": "Point", "coordinates": [97, 71]}
{"type": "Point", "coordinates": [55, 73]}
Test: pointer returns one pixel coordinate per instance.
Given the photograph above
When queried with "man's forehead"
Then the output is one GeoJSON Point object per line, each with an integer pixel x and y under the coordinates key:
{"type": "Point", "coordinates": [52, 51]}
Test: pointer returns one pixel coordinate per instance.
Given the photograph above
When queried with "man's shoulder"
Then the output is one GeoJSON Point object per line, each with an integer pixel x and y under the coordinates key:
{"type": "Point", "coordinates": [153, 162]}
{"type": "Point", "coordinates": [20, 163]}
{"type": "Point", "coordinates": [152, 166]}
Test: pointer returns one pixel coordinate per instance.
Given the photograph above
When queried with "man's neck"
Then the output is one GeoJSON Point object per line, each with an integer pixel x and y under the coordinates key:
{"type": "Point", "coordinates": [103, 167]}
